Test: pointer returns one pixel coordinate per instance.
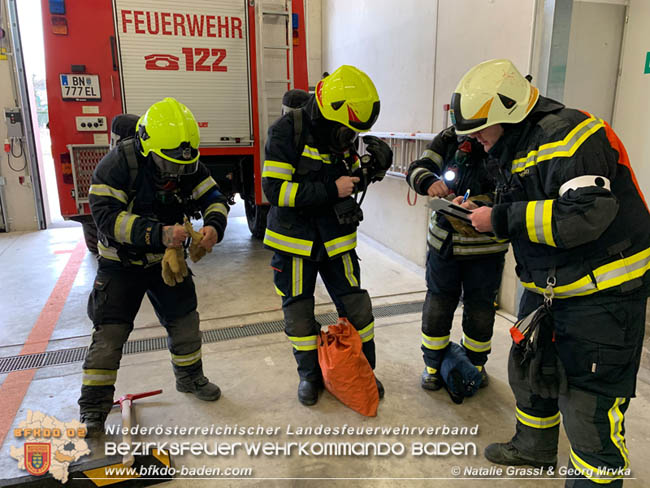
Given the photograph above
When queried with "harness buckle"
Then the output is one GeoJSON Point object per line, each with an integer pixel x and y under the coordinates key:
{"type": "Point", "coordinates": [549, 294]}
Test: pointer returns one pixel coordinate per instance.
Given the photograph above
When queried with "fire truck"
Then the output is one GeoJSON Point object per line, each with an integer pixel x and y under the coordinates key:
{"type": "Point", "coordinates": [229, 61]}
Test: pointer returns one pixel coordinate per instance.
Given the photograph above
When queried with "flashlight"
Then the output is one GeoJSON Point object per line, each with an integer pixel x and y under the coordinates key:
{"type": "Point", "coordinates": [450, 175]}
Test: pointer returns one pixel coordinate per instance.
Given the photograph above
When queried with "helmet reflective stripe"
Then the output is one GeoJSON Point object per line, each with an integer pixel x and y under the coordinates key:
{"type": "Point", "coordinates": [348, 96]}
{"type": "Point", "coordinates": [169, 130]}
{"type": "Point", "coordinates": [490, 93]}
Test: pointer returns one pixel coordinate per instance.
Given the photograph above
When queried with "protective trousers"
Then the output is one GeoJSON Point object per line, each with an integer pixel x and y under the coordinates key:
{"type": "Point", "coordinates": [295, 282]}
{"type": "Point", "coordinates": [598, 340]}
{"type": "Point", "coordinates": [478, 279]}
{"type": "Point", "coordinates": [112, 306]}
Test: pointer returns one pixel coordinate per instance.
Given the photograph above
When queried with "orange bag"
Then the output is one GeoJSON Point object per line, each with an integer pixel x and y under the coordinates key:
{"type": "Point", "coordinates": [346, 372]}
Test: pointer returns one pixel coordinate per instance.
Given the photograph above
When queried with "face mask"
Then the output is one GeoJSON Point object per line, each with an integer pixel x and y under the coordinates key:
{"type": "Point", "coordinates": [169, 170]}
{"type": "Point", "coordinates": [342, 138]}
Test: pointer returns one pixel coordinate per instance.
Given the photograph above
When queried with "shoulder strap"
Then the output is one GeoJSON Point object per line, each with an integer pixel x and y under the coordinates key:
{"type": "Point", "coordinates": [297, 129]}
{"type": "Point", "coordinates": [128, 147]}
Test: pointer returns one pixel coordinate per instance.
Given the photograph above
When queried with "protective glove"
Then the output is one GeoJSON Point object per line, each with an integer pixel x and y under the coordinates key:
{"type": "Point", "coordinates": [382, 154]}
{"type": "Point", "coordinates": [196, 251]}
{"type": "Point", "coordinates": [348, 211]}
{"type": "Point", "coordinates": [525, 336]}
{"type": "Point", "coordinates": [174, 267]}
{"type": "Point", "coordinates": [463, 228]}
{"type": "Point", "coordinates": [547, 377]}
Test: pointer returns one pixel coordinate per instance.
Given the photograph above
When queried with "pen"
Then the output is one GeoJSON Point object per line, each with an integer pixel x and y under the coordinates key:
{"type": "Point", "coordinates": [466, 196]}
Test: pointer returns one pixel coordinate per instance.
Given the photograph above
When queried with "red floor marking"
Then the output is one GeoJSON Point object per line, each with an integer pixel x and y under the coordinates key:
{"type": "Point", "coordinates": [14, 388]}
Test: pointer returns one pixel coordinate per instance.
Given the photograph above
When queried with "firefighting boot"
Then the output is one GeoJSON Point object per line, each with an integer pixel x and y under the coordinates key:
{"type": "Point", "coordinates": [507, 454]}
{"type": "Point", "coordinates": [94, 422]}
{"type": "Point", "coordinates": [308, 392]}
{"type": "Point", "coordinates": [431, 379]}
{"type": "Point", "coordinates": [200, 387]}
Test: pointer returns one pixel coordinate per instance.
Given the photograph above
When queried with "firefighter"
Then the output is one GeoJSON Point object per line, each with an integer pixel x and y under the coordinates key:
{"type": "Point", "coordinates": [141, 191]}
{"type": "Point", "coordinates": [308, 177]}
{"type": "Point", "coordinates": [580, 229]}
{"type": "Point", "coordinates": [459, 259]}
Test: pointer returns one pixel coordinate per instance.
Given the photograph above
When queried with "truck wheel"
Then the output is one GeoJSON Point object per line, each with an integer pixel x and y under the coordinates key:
{"type": "Point", "coordinates": [256, 217]}
{"type": "Point", "coordinates": [90, 236]}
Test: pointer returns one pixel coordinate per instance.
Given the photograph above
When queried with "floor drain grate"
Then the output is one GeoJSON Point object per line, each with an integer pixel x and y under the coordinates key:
{"type": "Point", "coordinates": [77, 354]}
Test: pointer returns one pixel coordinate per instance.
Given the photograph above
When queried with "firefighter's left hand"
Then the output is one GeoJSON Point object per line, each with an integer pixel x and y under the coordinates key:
{"type": "Point", "coordinates": [482, 219]}
{"type": "Point", "coordinates": [210, 237]}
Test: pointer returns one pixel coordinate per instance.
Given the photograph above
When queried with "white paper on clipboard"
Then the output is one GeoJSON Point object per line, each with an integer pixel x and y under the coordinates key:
{"type": "Point", "coordinates": [445, 207]}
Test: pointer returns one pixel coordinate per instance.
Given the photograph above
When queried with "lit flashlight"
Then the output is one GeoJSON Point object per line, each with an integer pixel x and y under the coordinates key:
{"type": "Point", "coordinates": [450, 175]}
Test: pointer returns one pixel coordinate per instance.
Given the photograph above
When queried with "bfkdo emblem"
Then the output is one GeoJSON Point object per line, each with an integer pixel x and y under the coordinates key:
{"type": "Point", "coordinates": [37, 457]}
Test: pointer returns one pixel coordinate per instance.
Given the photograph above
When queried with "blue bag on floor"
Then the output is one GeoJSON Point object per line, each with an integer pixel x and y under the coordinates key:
{"type": "Point", "coordinates": [461, 377]}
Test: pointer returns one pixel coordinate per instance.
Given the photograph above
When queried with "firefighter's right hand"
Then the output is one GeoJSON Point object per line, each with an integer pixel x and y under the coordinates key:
{"type": "Point", "coordinates": [438, 189]}
{"type": "Point", "coordinates": [345, 185]}
{"type": "Point", "coordinates": [174, 235]}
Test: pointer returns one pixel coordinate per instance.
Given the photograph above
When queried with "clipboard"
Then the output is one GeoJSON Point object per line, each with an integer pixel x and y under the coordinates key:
{"type": "Point", "coordinates": [445, 207]}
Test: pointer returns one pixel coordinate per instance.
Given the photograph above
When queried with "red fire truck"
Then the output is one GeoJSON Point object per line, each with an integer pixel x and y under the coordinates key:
{"type": "Point", "coordinates": [229, 61]}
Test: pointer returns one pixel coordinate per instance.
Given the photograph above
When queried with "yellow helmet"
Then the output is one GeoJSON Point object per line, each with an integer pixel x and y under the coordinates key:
{"type": "Point", "coordinates": [169, 130]}
{"type": "Point", "coordinates": [349, 97]}
{"type": "Point", "coordinates": [490, 93]}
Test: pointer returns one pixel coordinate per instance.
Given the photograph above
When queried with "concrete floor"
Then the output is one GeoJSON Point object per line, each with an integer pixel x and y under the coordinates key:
{"type": "Point", "coordinates": [257, 374]}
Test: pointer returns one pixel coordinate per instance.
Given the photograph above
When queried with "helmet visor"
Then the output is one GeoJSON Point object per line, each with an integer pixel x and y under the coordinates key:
{"type": "Point", "coordinates": [170, 169]}
{"type": "Point", "coordinates": [367, 125]}
{"type": "Point", "coordinates": [463, 125]}
{"type": "Point", "coordinates": [183, 154]}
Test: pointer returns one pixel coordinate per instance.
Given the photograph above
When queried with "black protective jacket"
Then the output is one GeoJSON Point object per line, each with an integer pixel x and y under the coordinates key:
{"type": "Point", "coordinates": [299, 180]}
{"type": "Point", "coordinates": [570, 204]}
{"type": "Point", "coordinates": [130, 210]}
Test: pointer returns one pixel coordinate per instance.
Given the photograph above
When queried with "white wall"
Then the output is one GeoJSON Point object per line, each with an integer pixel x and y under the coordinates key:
{"type": "Point", "coordinates": [632, 107]}
{"type": "Point", "coordinates": [393, 42]}
{"type": "Point", "coordinates": [471, 31]}
{"type": "Point", "coordinates": [314, 26]}
{"type": "Point", "coordinates": [593, 58]}
{"type": "Point", "coordinates": [389, 220]}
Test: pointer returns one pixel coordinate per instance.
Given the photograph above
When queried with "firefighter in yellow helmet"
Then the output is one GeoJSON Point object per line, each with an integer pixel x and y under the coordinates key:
{"type": "Point", "coordinates": [568, 200]}
{"type": "Point", "coordinates": [311, 172]}
{"type": "Point", "coordinates": [140, 193]}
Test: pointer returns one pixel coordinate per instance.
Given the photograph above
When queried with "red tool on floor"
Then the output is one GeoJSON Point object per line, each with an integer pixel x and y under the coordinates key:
{"type": "Point", "coordinates": [125, 402]}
